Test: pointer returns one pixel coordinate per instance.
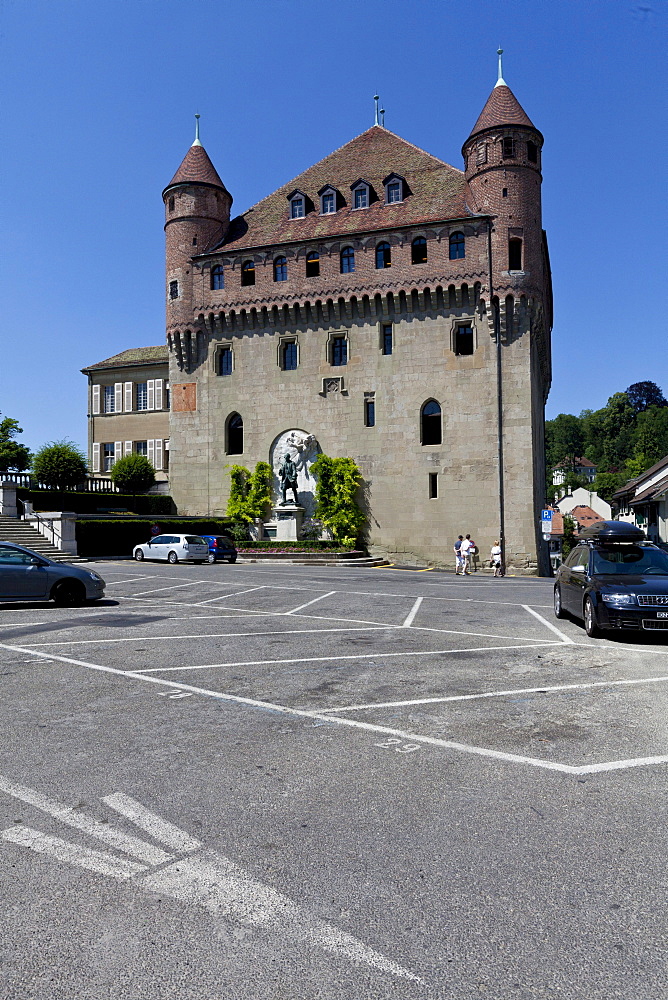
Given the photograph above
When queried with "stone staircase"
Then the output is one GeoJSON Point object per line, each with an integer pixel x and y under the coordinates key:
{"type": "Point", "coordinates": [21, 533]}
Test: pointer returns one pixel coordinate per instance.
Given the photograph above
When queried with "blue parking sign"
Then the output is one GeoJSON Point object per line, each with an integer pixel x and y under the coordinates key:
{"type": "Point", "coordinates": [546, 515]}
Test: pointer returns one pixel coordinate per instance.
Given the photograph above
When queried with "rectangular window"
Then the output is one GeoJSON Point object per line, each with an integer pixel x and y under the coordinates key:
{"type": "Point", "coordinates": [108, 455]}
{"type": "Point", "coordinates": [464, 340]}
{"type": "Point", "coordinates": [289, 352]}
{"type": "Point", "coordinates": [370, 412]}
{"type": "Point", "coordinates": [339, 351]}
{"type": "Point", "coordinates": [142, 396]}
{"type": "Point", "coordinates": [433, 485]}
{"type": "Point", "coordinates": [393, 192]}
{"type": "Point", "coordinates": [508, 148]}
{"type": "Point", "coordinates": [109, 399]}
{"type": "Point", "coordinates": [386, 332]}
{"type": "Point", "coordinates": [514, 255]}
{"type": "Point", "coordinates": [141, 448]}
{"type": "Point", "coordinates": [481, 154]}
{"type": "Point", "coordinates": [328, 206]}
{"type": "Point", "coordinates": [361, 200]}
{"type": "Point", "coordinates": [297, 208]}
{"type": "Point", "coordinates": [225, 361]}
{"type": "Point", "coordinates": [173, 289]}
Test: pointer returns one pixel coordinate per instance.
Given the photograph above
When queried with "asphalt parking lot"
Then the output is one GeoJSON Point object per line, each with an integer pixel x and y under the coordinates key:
{"type": "Point", "coordinates": [258, 781]}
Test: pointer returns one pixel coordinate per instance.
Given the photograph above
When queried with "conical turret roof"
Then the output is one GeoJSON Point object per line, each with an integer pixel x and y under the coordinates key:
{"type": "Point", "coordinates": [502, 108]}
{"type": "Point", "coordinates": [196, 168]}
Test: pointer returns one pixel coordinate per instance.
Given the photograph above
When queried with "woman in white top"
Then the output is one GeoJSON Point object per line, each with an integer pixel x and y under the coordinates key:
{"type": "Point", "coordinates": [495, 559]}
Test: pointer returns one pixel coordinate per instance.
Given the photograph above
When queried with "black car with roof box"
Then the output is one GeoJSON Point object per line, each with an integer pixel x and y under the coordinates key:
{"type": "Point", "coordinates": [614, 579]}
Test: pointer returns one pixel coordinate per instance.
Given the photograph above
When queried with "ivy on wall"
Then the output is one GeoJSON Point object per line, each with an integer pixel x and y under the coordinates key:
{"type": "Point", "coordinates": [337, 483]}
{"type": "Point", "coordinates": [250, 492]}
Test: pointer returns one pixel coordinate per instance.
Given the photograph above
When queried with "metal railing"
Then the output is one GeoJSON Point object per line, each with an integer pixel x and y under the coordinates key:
{"type": "Point", "coordinates": [89, 485]}
{"type": "Point", "coordinates": [51, 533]}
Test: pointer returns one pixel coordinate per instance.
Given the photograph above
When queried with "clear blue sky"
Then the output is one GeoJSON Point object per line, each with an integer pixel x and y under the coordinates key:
{"type": "Point", "coordinates": [99, 97]}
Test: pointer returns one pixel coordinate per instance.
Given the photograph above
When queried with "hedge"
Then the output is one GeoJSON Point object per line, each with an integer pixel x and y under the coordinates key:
{"type": "Point", "coordinates": [93, 503]}
{"type": "Point", "coordinates": [302, 546]}
{"type": "Point", "coordinates": [118, 537]}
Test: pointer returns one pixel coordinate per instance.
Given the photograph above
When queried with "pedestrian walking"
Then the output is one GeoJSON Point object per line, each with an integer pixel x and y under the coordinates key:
{"type": "Point", "coordinates": [495, 559]}
{"type": "Point", "coordinates": [467, 544]}
{"type": "Point", "coordinates": [473, 555]}
{"type": "Point", "coordinates": [459, 559]}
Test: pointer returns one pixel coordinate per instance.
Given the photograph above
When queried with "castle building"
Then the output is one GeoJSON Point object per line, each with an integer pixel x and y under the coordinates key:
{"type": "Point", "coordinates": [383, 305]}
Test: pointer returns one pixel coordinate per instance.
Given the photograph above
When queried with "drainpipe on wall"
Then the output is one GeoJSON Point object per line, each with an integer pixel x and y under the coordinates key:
{"type": "Point", "coordinates": [499, 396]}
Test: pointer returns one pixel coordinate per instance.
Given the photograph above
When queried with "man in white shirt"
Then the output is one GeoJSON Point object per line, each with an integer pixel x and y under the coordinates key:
{"type": "Point", "coordinates": [467, 545]}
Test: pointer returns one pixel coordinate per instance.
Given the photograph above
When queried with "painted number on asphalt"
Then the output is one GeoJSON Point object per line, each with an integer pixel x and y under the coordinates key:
{"type": "Point", "coordinates": [393, 743]}
{"type": "Point", "coordinates": [179, 694]}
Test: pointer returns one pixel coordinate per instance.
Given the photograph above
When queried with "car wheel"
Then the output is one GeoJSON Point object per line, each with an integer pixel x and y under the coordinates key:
{"type": "Point", "coordinates": [139, 555]}
{"type": "Point", "coordinates": [211, 558]}
{"type": "Point", "coordinates": [68, 593]}
{"type": "Point", "coordinates": [591, 626]}
{"type": "Point", "coordinates": [172, 558]}
{"type": "Point", "coordinates": [558, 606]}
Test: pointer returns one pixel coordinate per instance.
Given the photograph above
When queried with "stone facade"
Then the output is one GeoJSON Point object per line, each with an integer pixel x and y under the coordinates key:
{"type": "Point", "coordinates": [431, 287]}
{"type": "Point", "coordinates": [132, 416]}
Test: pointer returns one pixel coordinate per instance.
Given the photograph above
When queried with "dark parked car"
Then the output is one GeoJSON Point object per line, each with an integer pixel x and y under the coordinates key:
{"type": "Point", "coordinates": [614, 579]}
{"type": "Point", "coordinates": [220, 547]}
{"type": "Point", "coordinates": [27, 576]}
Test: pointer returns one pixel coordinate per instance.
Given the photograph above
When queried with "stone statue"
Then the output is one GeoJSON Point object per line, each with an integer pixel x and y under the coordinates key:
{"type": "Point", "coordinates": [287, 474]}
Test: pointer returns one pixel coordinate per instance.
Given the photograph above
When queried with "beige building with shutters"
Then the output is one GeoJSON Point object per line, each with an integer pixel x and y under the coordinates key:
{"type": "Point", "coordinates": [128, 410]}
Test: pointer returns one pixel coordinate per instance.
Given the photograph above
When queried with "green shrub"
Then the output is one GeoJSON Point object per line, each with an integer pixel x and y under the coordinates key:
{"type": "Point", "coordinates": [250, 492]}
{"type": "Point", "coordinates": [59, 464]}
{"type": "Point", "coordinates": [93, 503]}
{"type": "Point", "coordinates": [118, 537]}
{"type": "Point", "coordinates": [132, 474]}
{"type": "Point", "coordinates": [338, 482]}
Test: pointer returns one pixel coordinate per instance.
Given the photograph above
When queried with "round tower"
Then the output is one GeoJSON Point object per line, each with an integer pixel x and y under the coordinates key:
{"type": "Point", "coordinates": [197, 217]}
{"type": "Point", "coordinates": [502, 158]}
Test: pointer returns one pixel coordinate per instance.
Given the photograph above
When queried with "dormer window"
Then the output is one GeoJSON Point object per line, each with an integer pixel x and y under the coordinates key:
{"type": "Point", "coordinates": [297, 208]}
{"type": "Point", "coordinates": [327, 200]}
{"type": "Point", "coordinates": [361, 194]}
{"type": "Point", "coordinates": [394, 189]}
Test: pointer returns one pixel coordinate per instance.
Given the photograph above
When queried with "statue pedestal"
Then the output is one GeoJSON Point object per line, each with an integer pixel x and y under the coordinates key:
{"type": "Point", "coordinates": [288, 518]}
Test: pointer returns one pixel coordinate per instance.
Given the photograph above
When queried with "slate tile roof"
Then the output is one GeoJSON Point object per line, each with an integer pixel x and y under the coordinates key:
{"type": "Point", "coordinates": [196, 166]}
{"type": "Point", "coordinates": [435, 192]}
{"type": "Point", "coordinates": [133, 356]}
{"type": "Point", "coordinates": [502, 108]}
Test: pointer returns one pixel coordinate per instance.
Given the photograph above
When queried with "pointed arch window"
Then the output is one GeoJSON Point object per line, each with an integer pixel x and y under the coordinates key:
{"type": "Point", "coordinates": [383, 256]}
{"type": "Point", "coordinates": [235, 435]}
{"type": "Point", "coordinates": [217, 278]}
{"type": "Point", "coordinates": [280, 269]}
{"type": "Point", "coordinates": [347, 260]}
{"type": "Point", "coordinates": [312, 264]}
{"type": "Point", "coordinates": [248, 273]}
{"type": "Point", "coordinates": [419, 250]}
{"type": "Point", "coordinates": [457, 246]}
{"type": "Point", "coordinates": [430, 423]}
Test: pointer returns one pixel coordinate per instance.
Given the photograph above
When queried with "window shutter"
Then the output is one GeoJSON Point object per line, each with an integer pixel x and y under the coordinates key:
{"type": "Point", "coordinates": [158, 455]}
{"type": "Point", "coordinates": [128, 445]}
{"type": "Point", "coordinates": [150, 392]}
{"type": "Point", "coordinates": [150, 446]}
{"type": "Point", "coordinates": [158, 394]}
{"type": "Point", "coordinates": [96, 453]}
{"type": "Point", "coordinates": [128, 397]}
{"type": "Point", "coordinates": [96, 400]}
{"type": "Point", "coordinates": [118, 397]}
{"type": "Point", "coordinates": [118, 450]}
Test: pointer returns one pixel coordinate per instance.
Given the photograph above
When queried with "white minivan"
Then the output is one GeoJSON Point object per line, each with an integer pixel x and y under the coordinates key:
{"type": "Point", "coordinates": [173, 549]}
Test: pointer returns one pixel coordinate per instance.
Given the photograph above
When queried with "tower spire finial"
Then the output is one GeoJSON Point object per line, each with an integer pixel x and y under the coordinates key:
{"type": "Point", "coordinates": [197, 142]}
{"type": "Point", "coordinates": [376, 99]}
{"type": "Point", "coordinates": [500, 82]}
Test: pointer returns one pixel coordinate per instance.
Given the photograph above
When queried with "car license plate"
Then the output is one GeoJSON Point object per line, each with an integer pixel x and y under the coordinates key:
{"type": "Point", "coordinates": [662, 614]}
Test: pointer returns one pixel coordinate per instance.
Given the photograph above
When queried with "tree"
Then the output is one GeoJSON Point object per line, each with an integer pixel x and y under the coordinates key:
{"type": "Point", "coordinates": [642, 395]}
{"type": "Point", "coordinates": [59, 464]}
{"type": "Point", "coordinates": [651, 438]}
{"type": "Point", "coordinates": [13, 455]}
{"type": "Point", "coordinates": [338, 480]}
{"type": "Point", "coordinates": [607, 483]}
{"type": "Point", "coordinates": [618, 424]}
{"type": "Point", "coordinates": [250, 492]}
{"type": "Point", "coordinates": [132, 474]}
{"type": "Point", "coordinates": [564, 440]}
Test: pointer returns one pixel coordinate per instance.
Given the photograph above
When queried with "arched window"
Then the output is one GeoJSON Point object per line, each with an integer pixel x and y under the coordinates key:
{"type": "Point", "coordinates": [430, 423]}
{"type": "Point", "coordinates": [248, 273]}
{"type": "Point", "coordinates": [347, 260]}
{"type": "Point", "coordinates": [514, 254]}
{"type": "Point", "coordinates": [383, 256]}
{"type": "Point", "coordinates": [280, 269]}
{"type": "Point", "coordinates": [419, 250]}
{"type": "Point", "coordinates": [312, 264]}
{"type": "Point", "coordinates": [457, 246]}
{"type": "Point", "coordinates": [235, 435]}
{"type": "Point", "coordinates": [217, 278]}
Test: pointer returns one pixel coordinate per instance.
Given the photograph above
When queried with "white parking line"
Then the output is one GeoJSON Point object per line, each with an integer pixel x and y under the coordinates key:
{"type": "Point", "coordinates": [225, 597]}
{"type": "Point", "coordinates": [357, 724]}
{"type": "Point", "coordinates": [410, 617]}
{"type": "Point", "coordinates": [308, 603]}
{"type": "Point", "coordinates": [553, 628]}
{"type": "Point", "coordinates": [135, 579]}
{"type": "Point", "coordinates": [176, 586]}
{"type": "Point", "coordinates": [74, 854]}
{"type": "Point", "coordinates": [496, 694]}
{"type": "Point", "coordinates": [211, 635]}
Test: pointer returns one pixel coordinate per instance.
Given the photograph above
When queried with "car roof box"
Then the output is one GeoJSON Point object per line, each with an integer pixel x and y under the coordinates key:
{"type": "Point", "coordinates": [613, 531]}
